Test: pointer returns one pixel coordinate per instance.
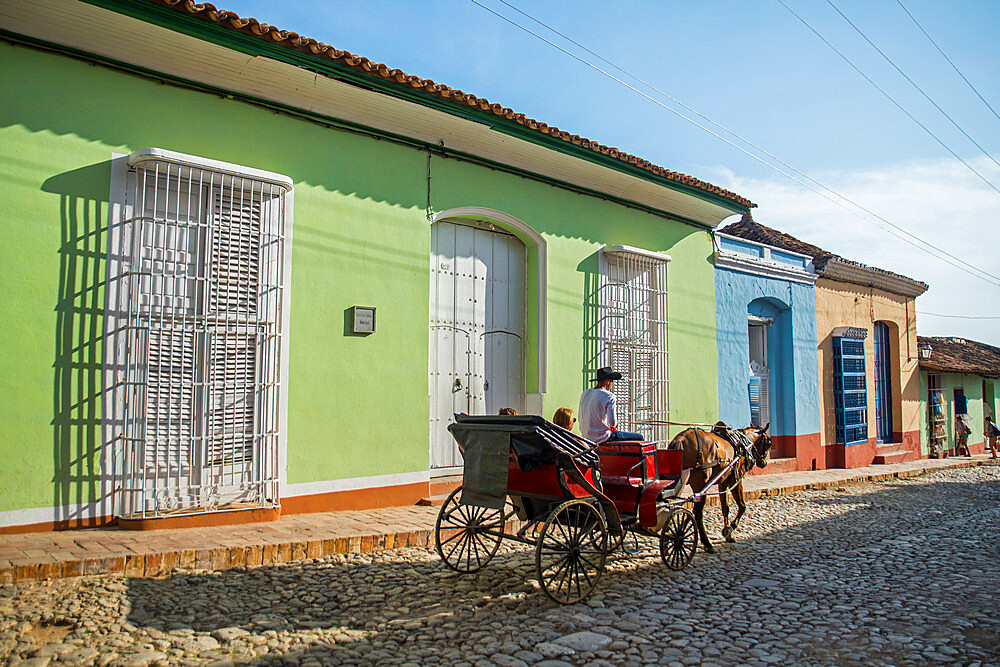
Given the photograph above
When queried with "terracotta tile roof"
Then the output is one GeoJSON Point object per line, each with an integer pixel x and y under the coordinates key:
{"type": "Point", "coordinates": [291, 40]}
{"type": "Point", "coordinates": [960, 355]}
{"type": "Point", "coordinates": [748, 228]}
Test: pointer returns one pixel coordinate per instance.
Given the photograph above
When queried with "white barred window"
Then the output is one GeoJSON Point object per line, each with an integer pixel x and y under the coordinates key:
{"type": "Point", "coordinates": [632, 327]}
{"type": "Point", "coordinates": [196, 291]}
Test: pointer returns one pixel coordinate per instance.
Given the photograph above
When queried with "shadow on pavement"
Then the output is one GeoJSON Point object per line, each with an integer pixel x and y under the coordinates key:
{"type": "Point", "coordinates": [893, 538]}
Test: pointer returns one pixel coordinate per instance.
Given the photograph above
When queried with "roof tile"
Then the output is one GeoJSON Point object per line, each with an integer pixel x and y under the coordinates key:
{"type": "Point", "coordinates": [251, 26]}
{"type": "Point", "coordinates": [960, 355]}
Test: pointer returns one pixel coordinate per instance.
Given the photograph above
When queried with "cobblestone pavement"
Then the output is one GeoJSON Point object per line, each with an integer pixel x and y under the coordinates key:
{"type": "Point", "coordinates": [899, 572]}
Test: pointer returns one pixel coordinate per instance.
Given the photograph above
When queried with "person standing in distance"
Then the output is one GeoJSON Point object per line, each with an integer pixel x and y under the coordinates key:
{"type": "Point", "coordinates": [597, 410]}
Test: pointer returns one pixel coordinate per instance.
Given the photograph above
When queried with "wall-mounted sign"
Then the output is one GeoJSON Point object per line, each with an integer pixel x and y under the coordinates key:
{"type": "Point", "coordinates": [364, 319]}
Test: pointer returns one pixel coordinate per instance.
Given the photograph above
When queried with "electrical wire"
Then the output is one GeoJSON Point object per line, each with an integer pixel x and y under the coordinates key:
{"type": "Point", "coordinates": [965, 317]}
{"type": "Point", "coordinates": [929, 249]}
{"type": "Point", "coordinates": [912, 82]}
{"type": "Point", "coordinates": [945, 56]}
{"type": "Point", "coordinates": [733, 133]}
{"type": "Point", "coordinates": [888, 96]}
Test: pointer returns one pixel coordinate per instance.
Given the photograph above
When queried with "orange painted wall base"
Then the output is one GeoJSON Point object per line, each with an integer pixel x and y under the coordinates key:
{"type": "Point", "coordinates": [863, 454]}
{"type": "Point", "coordinates": [356, 499]}
{"type": "Point", "coordinates": [50, 526]}
{"type": "Point", "coordinates": [230, 518]}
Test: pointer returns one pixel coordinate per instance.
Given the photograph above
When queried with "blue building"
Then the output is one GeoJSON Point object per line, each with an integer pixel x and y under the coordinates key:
{"type": "Point", "coordinates": [766, 327]}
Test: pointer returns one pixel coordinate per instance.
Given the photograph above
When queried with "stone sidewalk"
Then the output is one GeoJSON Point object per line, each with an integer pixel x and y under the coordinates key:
{"type": "Point", "coordinates": [302, 536]}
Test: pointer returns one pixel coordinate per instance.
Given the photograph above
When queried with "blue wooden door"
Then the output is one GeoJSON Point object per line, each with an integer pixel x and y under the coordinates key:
{"type": "Point", "coordinates": [883, 384]}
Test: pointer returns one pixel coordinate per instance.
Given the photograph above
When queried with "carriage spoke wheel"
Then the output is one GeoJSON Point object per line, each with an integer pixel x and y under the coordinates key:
{"type": "Point", "coordinates": [678, 539]}
{"type": "Point", "coordinates": [571, 550]}
{"type": "Point", "coordinates": [467, 536]}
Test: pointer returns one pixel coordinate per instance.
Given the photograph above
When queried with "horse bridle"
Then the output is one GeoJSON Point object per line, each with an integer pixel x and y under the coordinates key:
{"type": "Point", "coordinates": [759, 454]}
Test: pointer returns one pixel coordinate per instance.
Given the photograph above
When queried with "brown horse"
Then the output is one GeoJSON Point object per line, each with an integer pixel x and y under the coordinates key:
{"type": "Point", "coordinates": [706, 454]}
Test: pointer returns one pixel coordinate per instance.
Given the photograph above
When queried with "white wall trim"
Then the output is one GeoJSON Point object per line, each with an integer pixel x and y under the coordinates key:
{"type": "Point", "coordinates": [34, 515]}
{"type": "Point", "coordinates": [632, 250]}
{"type": "Point", "coordinates": [185, 160]}
{"type": "Point", "coordinates": [763, 265]}
{"type": "Point", "coordinates": [741, 263]}
{"type": "Point", "coordinates": [286, 329]}
{"type": "Point", "coordinates": [355, 483]}
{"type": "Point", "coordinates": [493, 215]}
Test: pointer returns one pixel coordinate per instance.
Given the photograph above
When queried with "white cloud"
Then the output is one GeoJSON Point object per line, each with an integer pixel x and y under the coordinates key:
{"type": "Point", "coordinates": [942, 202]}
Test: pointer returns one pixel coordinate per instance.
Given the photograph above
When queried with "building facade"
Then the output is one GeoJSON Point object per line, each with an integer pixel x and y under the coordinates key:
{"type": "Point", "coordinates": [866, 348]}
{"type": "Point", "coordinates": [766, 325]}
{"type": "Point", "coordinates": [957, 377]}
{"type": "Point", "coordinates": [254, 274]}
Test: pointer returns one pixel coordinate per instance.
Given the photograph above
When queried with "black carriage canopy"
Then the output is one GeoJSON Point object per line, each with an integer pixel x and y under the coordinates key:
{"type": "Point", "coordinates": [485, 441]}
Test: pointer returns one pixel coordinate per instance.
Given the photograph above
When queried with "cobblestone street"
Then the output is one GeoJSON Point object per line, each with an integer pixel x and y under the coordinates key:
{"type": "Point", "coordinates": [901, 572]}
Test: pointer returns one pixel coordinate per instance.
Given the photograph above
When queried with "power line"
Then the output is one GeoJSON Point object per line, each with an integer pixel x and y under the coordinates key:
{"type": "Point", "coordinates": [965, 317]}
{"type": "Point", "coordinates": [933, 248]}
{"type": "Point", "coordinates": [888, 96]}
{"type": "Point", "coordinates": [943, 54]}
{"type": "Point", "coordinates": [929, 249]}
{"type": "Point", "coordinates": [912, 82]}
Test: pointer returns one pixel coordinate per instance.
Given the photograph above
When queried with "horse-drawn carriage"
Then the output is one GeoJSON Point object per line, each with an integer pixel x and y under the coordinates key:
{"type": "Point", "coordinates": [574, 501]}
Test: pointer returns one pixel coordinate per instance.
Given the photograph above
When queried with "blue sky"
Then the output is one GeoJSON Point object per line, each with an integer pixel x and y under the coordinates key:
{"type": "Point", "coordinates": [753, 67]}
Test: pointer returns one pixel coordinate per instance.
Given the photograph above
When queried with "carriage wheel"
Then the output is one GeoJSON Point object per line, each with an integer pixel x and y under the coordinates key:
{"type": "Point", "coordinates": [461, 537]}
{"type": "Point", "coordinates": [615, 541]}
{"type": "Point", "coordinates": [571, 550]}
{"type": "Point", "coordinates": [678, 539]}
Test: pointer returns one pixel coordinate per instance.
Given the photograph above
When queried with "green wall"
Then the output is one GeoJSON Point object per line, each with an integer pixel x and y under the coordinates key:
{"type": "Point", "coordinates": [972, 386]}
{"type": "Point", "coordinates": [357, 406]}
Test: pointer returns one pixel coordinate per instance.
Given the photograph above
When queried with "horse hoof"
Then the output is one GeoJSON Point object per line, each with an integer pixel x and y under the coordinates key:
{"type": "Point", "coordinates": [709, 549]}
{"type": "Point", "coordinates": [727, 533]}
{"type": "Point", "coordinates": [730, 538]}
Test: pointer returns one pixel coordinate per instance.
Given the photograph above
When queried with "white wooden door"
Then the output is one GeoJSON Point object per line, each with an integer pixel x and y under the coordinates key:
{"type": "Point", "coordinates": [477, 320]}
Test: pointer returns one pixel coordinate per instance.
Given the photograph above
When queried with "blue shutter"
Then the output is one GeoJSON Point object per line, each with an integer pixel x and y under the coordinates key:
{"type": "Point", "coordinates": [755, 400]}
{"type": "Point", "coordinates": [850, 390]}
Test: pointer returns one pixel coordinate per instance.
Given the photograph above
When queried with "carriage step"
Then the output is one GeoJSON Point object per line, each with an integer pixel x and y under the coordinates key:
{"type": "Point", "coordinates": [433, 501]}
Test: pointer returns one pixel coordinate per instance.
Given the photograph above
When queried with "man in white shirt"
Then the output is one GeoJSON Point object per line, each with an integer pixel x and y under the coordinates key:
{"type": "Point", "coordinates": [597, 411]}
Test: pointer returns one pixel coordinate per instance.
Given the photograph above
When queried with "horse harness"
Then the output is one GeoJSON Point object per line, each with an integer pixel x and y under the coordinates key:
{"type": "Point", "coordinates": [742, 447]}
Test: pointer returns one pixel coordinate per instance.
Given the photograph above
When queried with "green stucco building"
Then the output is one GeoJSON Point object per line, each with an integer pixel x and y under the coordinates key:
{"type": "Point", "coordinates": [249, 273]}
{"type": "Point", "coordinates": [957, 377]}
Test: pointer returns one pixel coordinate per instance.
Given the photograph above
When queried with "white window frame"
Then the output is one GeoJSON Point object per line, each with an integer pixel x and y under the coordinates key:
{"type": "Point", "coordinates": [116, 472]}
{"type": "Point", "coordinates": [633, 324]}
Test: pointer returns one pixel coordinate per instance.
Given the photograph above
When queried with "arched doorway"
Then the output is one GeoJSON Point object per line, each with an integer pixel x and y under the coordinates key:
{"type": "Point", "coordinates": [770, 367]}
{"type": "Point", "coordinates": [478, 326]}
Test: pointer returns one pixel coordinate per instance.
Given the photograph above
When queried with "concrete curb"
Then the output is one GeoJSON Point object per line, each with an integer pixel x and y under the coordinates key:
{"type": "Point", "coordinates": [271, 551]}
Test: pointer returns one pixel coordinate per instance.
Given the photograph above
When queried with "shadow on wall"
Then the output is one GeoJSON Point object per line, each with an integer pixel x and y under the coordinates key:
{"type": "Point", "coordinates": [590, 268]}
{"type": "Point", "coordinates": [79, 332]}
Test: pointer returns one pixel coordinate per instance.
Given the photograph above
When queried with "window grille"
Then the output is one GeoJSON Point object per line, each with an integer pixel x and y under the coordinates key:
{"type": "Point", "coordinates": [200, 291]}
{"type": "Point", "coordinates": [632, 326]}
{"type": "Point", "coordinates": [850, 390]}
